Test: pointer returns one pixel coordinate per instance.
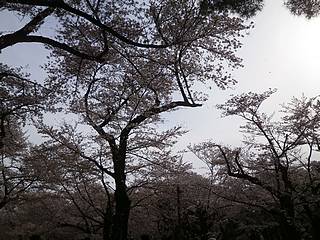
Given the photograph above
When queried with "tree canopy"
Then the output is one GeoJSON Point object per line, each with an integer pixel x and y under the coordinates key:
{"type": "Point", "coordinates": [109, 170]}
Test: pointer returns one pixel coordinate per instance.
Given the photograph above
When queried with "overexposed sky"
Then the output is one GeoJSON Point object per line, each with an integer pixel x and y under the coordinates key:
{"type": "Point", "coordinates": [282, 51]}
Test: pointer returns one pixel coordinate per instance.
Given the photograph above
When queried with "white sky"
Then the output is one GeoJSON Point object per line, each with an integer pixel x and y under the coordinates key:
{"type": "Point", "coordinates": [282, 51]}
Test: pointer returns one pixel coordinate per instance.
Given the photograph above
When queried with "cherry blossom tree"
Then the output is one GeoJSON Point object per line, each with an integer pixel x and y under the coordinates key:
{"type": "Point", "coordinates": [277, 157]}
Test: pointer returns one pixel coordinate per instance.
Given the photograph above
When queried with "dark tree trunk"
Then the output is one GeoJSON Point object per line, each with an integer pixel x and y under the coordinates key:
{"type": "Point", "coordinates": [314, 220]}
{"type": "Point", "coordinates": [122, 201]}
{"type": "Point", "coordinates": [178, 230]}
{"type": "Point", "coordinates": [107, 223]}
{"type": "Point", "coordinates": [315, 223]}
{"type": "Point", "coordinates": [122, 210]}
{"type": "Point", "coordinates": [2, 203]}
{"type": "Point", "coordinates": [288, 228]}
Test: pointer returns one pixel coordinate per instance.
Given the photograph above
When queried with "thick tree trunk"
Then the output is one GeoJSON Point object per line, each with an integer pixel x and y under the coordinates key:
{"type": "Point", "coordinates": [2, 203]}
{"type": "Point", "coordinates": [288, 228]}
{"type": "Point", "coordinates": [122, 201]}
{"type": "Point", "coordinates": [107, 223]}
{"type": "Point", "coordinates": [122, 210]}
{"type": "Point", "coordinates": [315, 222]}
{"type": "Point", "coordinates": [315, 228]}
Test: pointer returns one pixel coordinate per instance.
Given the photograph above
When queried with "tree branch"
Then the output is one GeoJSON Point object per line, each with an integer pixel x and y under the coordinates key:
{"type": "Point", "coordinates": [62, 5]}
{"type": "Point", "coordinates": [11, 39]}
{"type": "Point", "coordinates": [155, 110]}
{"type": "Point", "coordinates": [242, 175]}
